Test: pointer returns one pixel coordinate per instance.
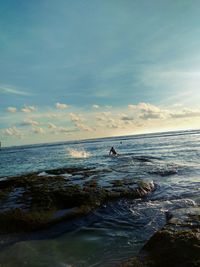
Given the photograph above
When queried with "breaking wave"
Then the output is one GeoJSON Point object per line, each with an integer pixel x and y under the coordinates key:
{"type": "Point", "coordinates": [78, 153]}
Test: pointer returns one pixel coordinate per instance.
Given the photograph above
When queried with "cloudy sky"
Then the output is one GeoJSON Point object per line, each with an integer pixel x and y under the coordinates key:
{"type": "Point", "coordinates": [76, 69]}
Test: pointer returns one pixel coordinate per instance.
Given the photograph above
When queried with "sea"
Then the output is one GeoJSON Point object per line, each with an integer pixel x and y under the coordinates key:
{"type": "Point", "coordinates": [118, 230]}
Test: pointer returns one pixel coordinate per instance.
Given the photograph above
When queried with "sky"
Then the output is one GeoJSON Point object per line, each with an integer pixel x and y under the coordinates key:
{"type": "Point", "coordinates": [72, 70]}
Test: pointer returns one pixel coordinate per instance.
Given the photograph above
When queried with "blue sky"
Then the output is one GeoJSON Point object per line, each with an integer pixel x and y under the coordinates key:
{"type": "Point", "coordinates": [69, 68]}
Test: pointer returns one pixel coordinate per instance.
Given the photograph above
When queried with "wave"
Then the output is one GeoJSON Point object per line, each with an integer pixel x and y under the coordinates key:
{"type": "Point", "coordinates": [74, 153]}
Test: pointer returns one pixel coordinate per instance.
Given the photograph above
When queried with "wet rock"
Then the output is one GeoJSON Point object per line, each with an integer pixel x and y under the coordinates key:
{"type": "Point", "coordinates": [164, 172]}
{"type": "Point", "coordinates": [142, 158]}
{"type": "Point", "coordinates": [38, 200]}
{"type": "Point", "coordinates": [176, 245]}
{"type": "Point", "coordinates": [133, 262]}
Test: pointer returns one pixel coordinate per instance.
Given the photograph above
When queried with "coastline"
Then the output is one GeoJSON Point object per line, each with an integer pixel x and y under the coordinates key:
{"type": "Point", "coordinates": [177, 244]}
{"type": "Point", "coordinates": [39, 200]}
{"type": "Point", "coordinates": [94, 201]}
{"type": "Point", "coordinates": [33, 201]}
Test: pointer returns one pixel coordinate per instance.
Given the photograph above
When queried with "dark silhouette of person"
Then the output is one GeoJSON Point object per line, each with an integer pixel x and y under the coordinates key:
{"type": "Point", "coordinates": [113, 151]}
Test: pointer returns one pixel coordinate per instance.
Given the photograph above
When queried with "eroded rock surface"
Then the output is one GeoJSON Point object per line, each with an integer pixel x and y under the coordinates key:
{"type": "Point", "coordinates": [176, 245]}
{"type": "Point", "coordinates": [38, 200]}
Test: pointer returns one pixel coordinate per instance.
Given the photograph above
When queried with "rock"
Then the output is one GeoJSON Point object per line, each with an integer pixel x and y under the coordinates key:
{"type": "Point", "coordinates": [176, 245]}
{"type": "Point", "coordinates": [38, 200]}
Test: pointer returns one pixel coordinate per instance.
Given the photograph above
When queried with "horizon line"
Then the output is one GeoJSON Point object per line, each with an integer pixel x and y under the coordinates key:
{"type": "Point", "coordinates": [99, 138]}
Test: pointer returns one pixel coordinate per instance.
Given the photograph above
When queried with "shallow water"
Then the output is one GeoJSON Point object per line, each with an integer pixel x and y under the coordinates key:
{"type": "Point", "coordinates": [117, 230]}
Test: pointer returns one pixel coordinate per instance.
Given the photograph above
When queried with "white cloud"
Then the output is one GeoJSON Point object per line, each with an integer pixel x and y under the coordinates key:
{"type": "Point", "coordinates": [108, 107]}
{"type": "Point", "coordinates": [137, 118]}
{"type": "Point", "coordinates": [76, 118]}
{"type": "Point", "coordinates": [29, 122]}
{"type": "Point", "coordinates": [11, 109]}
{"type": "Point", "coordinates": [28, 109]}
{"type": "Point", "coordinates": [151, 115]}
{"type": "Point", "coordinates": [12, 90]}
{"type": "Point", "coordinates": [148, 111]}
{"type": "Point", "coordinates": [38, 130]}
{"type": "Point", "coordinates": [148, 107]}
{"type": "Point", "coordinates": [130, 106]}
{"type": "Point", "coordinates": [64, 130]}
{"type": "Point", "coordinates": [103, 116]}
{"type": "Point", "coordinates": [61, 106]}
{"type": "Point", "coordinates": [127, 118]}
{"type": "Point", "coordinates": [51, 115]}
{"type": "Point", "coordinates": [177, 105]}
{"type": "Point", "coordinates": [13, 131]}
{"type": "Point", "coordinates": [186, 113]}
{"type": "Point", "coordinates": [108, 122]}
{"type": "Point", "coordinates": [96, 106]}
{"type": "Point", "coordinates": [82, 126]}
{"type": "Point", "coordinates": [51, 126]}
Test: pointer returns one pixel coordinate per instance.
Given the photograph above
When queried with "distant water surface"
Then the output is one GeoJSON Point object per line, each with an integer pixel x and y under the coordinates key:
{"type": "Point", "coordinates": [117, 230]}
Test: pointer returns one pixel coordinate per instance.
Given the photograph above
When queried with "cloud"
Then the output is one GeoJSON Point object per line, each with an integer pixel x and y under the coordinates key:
{"type": "Point", "coordinates": [135, 118]}
{"type": "Point", "coordinates": [61, 106]}
{"type": "Point", "coordinates": [28, 109]}
{"type": "Point", "coordinates": [29, 122]}
{"type": "Point", "coordinates": [186, 113]}
{"type": "Point", "coordinates": [66, 130]}
{"type": "Point", "coordinates": [114, 123]}
{"type": "Point", "coordinates": [13, 131]}
{"type": "Point", "coordinates": [130, 106]}
{"type": "Point", "coordinates": [38, 130]}
{"type": "Point", "coordinates": [12, 90]}
{"type": "Point", "coordinates": [108, 107]}
{"type": "Point", "coordinates": [108, 122]}
{"type": "Point", "coordinates": [127, 118]}
{"type": "Point", "coordinates": [148, 107]}
{"type": "Point", "coordinates": [148, 111]}
{"type": "Point", "coordinates": [83, 127]}
{"type": "Point", "coordinates": [11, 109]}
{"type": "Point", "coordinates": [51, 126]}
{"type": "Point", "coordinates": [103, 116]}
{"type": "Point", "coordinates": [54, 129]}
{"type": "Point", "coordinates": [76, 118]}
{"type": "Point", "coordinates": [151, 115]}
{"type": "Point", "coordinates": [78, 122]}
{"type": "Point", "coordinates": [177, 105]}
{"type": "Point", "coordinates": [96, 106]}
{"type": "Point", "coordinates": [52, 115]}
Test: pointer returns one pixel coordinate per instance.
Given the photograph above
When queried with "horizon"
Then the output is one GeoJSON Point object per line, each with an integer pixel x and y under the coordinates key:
{"type": "Point", "coordinates": [182, 132]}
{"type": "Point", "coordinates": [86, 70]}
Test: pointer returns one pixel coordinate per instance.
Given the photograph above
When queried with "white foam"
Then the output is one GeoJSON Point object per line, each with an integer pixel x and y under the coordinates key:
{"type": "Point", "coordinates": [78, 153]}
{"type": "Point", "coordinates": [45, 174]}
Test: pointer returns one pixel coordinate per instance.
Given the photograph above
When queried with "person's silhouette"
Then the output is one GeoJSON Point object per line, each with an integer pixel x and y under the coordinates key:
{"type": "Point", "coordinates": [112, 151]}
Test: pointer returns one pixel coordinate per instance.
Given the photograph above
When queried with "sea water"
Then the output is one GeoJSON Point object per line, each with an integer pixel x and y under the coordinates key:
{"type": "Point", "coordinates": [117, 230]}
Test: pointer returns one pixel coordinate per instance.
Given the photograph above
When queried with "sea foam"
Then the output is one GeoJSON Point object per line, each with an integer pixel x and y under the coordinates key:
{"type": "Point", "coordinates": [74, 153]}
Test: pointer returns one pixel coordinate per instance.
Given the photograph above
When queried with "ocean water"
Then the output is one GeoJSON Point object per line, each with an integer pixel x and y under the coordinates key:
{"type": "Point", "coordinates": [117, 230]}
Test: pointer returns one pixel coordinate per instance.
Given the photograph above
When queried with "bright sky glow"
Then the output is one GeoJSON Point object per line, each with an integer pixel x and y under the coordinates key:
{"type": "Point", "coordinates": [85, 69]}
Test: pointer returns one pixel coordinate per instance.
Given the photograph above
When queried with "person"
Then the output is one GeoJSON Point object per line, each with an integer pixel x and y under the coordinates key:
{"type": "Point", "coordinates": [112, 151]}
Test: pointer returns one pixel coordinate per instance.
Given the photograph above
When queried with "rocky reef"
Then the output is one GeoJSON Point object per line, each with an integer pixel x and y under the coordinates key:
{"type": "Point", "coordinates": [176, 245]}
{"type": "Point", "coordinates": [38, 200]}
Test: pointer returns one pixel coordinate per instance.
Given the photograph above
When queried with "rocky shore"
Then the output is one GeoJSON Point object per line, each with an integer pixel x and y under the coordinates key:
{"type": "Point", "coordinates": [39, 200]}
{"type": "Point", "coordinates": [176, 245]}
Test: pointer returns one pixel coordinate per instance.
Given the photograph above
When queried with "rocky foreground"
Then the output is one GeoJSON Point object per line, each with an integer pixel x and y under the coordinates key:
{"type": "Point", "coordinates": [39, 200]}
{"type": "Point", "coordinates": [176, 245]}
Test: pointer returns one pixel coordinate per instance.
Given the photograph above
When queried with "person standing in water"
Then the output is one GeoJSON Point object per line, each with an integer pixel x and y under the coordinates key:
{"type": "Point", "coordinates": [113, 152]}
